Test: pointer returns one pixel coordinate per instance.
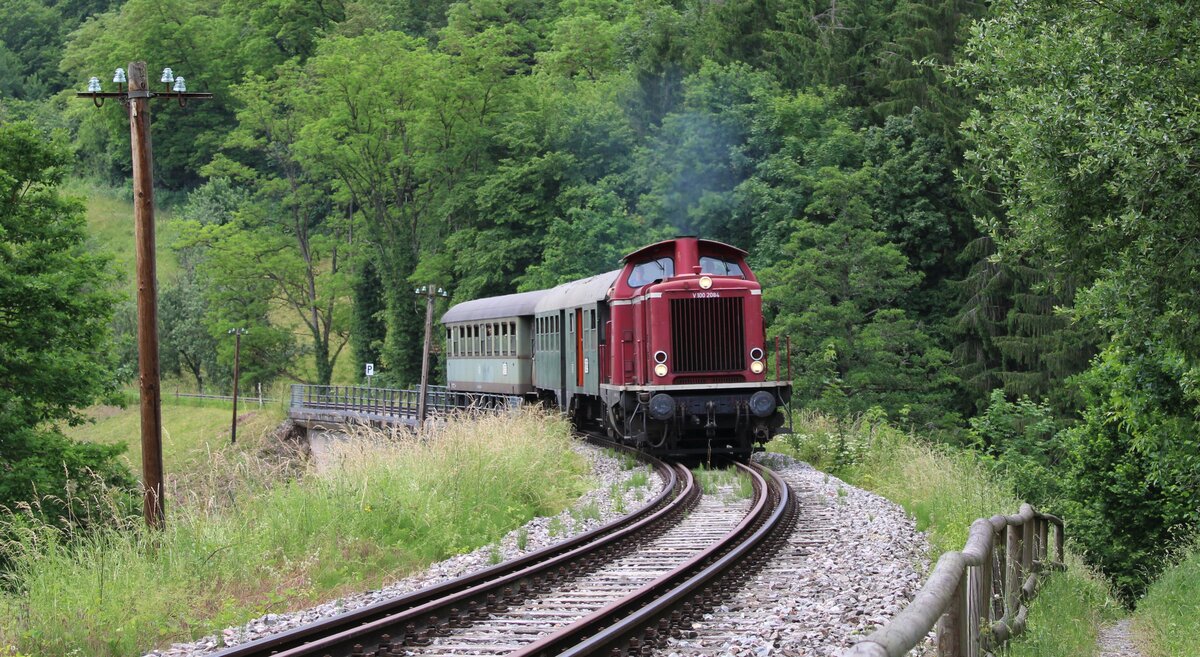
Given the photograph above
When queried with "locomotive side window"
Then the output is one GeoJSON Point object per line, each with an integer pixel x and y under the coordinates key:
{"type": "Point", "coordinates": [720, 267]}
{"type": "Point", "coordinates": [650, 271]}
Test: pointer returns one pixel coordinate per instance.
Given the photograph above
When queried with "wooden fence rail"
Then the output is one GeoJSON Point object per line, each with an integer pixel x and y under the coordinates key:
{"type": "Point", "coordinates": [976, 597]}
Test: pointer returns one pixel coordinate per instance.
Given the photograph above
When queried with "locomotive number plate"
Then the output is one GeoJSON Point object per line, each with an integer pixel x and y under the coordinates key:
{"type": "Point", "coordinates": [706, 295]}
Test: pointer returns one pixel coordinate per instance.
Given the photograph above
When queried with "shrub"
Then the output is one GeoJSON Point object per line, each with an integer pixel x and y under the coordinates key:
{"type": "Point", "coordinates": [1019, 442]}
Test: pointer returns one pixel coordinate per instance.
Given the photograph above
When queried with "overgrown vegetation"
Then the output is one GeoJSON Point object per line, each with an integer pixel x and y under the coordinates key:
{"type": "Point", "coordinates": [979, 218]}
{"type": "Point", "coordinates": [54, 313]}
{"type": "Point", "coordinates": [731, 483]}
{"type": "Point", "coordinates": [1168, 617]}
{"type": "Point", "coordinates": [250, 537]}
{"type": "Point", "coordinates": [946, 489]}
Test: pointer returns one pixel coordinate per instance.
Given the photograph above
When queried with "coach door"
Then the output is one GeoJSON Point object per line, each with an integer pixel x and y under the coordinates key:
{"type": "Point", "coordinates": [579, 349]}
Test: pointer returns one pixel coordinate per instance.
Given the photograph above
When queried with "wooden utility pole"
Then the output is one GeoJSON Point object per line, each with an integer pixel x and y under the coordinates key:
{"type": "Point", "coordinates": [421, 404]}
{"type": "Point", "coordinates": [135, 100]}
{"type": "Point", "coordinates": [430, 293]}
{"type": "Point", "coordinates": [237, 360]}
{"type": "Point", "coordinates": [147, 295]}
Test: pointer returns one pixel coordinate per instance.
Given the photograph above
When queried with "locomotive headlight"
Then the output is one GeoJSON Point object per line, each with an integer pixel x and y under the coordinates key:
{"type": "Point", "coordinates": [757, 367]}
{"type": "Point", "coordinates": [705, 282]}
{"type": "Point", "coordinates": [660, 370]}
{"type": "Point", "coordinates": [762, 403]}
{"type": "Point", "coordinates": [756, 354]}
{"type": "Point", "coordinates": [662, 406]}
{"type": "Point", "coordinates": [660, 356]}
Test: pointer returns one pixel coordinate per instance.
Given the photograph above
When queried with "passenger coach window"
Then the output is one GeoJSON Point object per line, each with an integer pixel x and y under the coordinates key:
{"type": "Point", "coordinates": [653, 270]}
{"type": "Point", "coordinates": [719, 267]}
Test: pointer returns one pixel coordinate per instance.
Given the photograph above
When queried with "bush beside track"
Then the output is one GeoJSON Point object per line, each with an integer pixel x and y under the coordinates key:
{"type": "Point", "coordinates": [251, 537]}
{"type": "Point", "coordinates": [946, 490]}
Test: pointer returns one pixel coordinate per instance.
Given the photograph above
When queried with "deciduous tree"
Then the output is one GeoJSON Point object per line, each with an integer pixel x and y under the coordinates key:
{"type": "Point", "coordinates": [54, 313]}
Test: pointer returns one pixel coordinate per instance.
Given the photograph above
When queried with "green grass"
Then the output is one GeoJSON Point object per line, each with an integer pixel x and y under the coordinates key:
{"type": "Point", "coordinates": [249, 536]}
{"type": "Point", "coordinates": [946, 490]}
{"type": "Point", "coordinates": [1168, 617]}
{"type": "Point", "coordinates": [110, 231]}
{"type": "Point", "coordinates": [192, 429]}
{"type": "Point", "coordinates": [737, 485]}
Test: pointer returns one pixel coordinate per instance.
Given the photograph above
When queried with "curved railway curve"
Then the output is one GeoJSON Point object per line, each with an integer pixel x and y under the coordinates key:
{"type": "Point", "coordinates": [617, 589]}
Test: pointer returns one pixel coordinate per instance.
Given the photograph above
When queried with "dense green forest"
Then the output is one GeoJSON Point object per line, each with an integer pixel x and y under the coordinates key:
{"type": "Point", "coordinates": [979, 220]}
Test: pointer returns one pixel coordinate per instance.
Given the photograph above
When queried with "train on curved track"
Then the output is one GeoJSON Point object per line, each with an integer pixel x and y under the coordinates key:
{"type": "Point", "coordinates": [667, 354]}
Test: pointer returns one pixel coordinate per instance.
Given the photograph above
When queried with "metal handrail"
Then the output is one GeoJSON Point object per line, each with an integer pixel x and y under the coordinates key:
{"type": "Point", "coordinates": [394, 402]}
{"type": "Point", "coordinates": [976, 597]}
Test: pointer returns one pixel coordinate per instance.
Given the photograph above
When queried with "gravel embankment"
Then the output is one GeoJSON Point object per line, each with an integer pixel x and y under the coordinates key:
{"type": "Point", "coordinates": [538, 533]}
{"type": "Point", "coordinates": [853, 560]}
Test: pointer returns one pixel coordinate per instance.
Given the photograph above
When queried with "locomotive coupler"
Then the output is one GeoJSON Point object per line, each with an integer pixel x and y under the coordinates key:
{"type": "Point", "coordinates": [711, 408]}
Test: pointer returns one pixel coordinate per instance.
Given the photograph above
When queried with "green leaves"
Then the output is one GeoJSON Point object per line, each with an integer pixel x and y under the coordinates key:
{"type": "Point", "coordinates": [837, 287]}
{"type": "Point", "coordinates": [1088, 130]}
{"type": "Point", "coordinates": [54, 314]}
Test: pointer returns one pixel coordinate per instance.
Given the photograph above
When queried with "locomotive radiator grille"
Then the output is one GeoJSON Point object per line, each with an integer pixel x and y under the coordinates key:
{"type": "Point", "coordinates": [707, 335]}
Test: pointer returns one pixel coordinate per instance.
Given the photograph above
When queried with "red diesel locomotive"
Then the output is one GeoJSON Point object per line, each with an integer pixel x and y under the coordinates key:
{"type": "Point", "coordinates": [668, 353]}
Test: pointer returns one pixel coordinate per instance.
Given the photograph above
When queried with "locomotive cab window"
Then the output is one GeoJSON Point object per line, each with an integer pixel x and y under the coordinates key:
{"type": "Point", "coordinates": [720, 267]}
{"type": "Point", "coordinates": [658, 269]}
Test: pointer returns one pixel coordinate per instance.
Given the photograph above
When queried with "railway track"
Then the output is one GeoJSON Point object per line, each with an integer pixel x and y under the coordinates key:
{"type": "Point", "coordinates": [618, 589]}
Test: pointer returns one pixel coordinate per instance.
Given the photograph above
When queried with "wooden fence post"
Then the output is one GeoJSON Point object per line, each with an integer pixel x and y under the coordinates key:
{"type": "Point", "coordinates": [950, 626]}
{"type": "Point", "coordinates": [1026, 553]}
{"type": "Point", "coordinates": [1012, 574]}
{"type": "Point", "coordinates": [984, 603]}
{"type": "Point", "coordinates": [1043, 555]}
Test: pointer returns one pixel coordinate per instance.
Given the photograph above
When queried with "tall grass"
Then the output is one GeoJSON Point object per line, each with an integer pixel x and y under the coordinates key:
{"type": "Point", "coordinates": [946, 489]}
{"type": "Point", "coordinates": [1168, 617]}
{"type": "Point", "coordinates": [249, 536]}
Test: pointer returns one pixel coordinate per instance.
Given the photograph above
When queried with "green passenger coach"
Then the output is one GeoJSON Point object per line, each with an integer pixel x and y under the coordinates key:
{"type": "Point", "coordinates": [489, 344]}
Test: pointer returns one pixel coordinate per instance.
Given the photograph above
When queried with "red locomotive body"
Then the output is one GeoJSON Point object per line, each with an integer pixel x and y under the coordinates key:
{"type": "Point", "coordinates": [685, 368]}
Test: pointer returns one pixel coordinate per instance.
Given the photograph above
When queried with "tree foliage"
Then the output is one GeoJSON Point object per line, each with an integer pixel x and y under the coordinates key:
{"type": "Point", "coordinates": [1088, 130]}
{"type": "Point", "coordinates": [54, 313]}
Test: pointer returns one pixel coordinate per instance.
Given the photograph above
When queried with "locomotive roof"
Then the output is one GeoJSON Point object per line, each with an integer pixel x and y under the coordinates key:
{"type": "Point", "coordinates": [709, 244]}
{"type": "Point", "coordinates": [509, 305]}
{"type": "Point", "coordinates": [577, 293]}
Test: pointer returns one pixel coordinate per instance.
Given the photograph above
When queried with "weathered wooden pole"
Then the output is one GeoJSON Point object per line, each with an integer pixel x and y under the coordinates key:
{"type": "Point", "coordinates": [237, 361]}
{"type": "Point", "coordinates": [135, 99]}
{"type": "Point", "coordinates": [422, 402]}
{"type": "Point", "coordinates": [984, 593]}
{"type": "Point", "coordinates": [147, 295]}
{"type": "Point", "coordinates": [1012, 574]}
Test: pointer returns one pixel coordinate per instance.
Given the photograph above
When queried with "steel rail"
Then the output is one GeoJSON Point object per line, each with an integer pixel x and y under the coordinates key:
{"type": "Point", "coordinates": [428, 608]}
{"type": "Point", "coordinates": [641, 619]}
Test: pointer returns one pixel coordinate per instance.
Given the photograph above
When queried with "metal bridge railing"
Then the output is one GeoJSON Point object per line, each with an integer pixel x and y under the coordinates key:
{"type": "Point", "coordinates": [393, 402]}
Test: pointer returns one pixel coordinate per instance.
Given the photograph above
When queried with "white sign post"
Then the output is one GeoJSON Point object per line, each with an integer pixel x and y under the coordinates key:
{"type": "Point", "coordinates": [370, 373]}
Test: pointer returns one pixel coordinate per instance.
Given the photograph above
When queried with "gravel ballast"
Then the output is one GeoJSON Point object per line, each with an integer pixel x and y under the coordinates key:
{"type": "Point", "coordinates": [852, 561]}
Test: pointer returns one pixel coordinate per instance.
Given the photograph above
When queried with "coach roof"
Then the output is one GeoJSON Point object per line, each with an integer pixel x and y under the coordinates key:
{"type": "Point", "coordinates": [577, 293]}
{"type": "Point", "coordinates": [509, 305]}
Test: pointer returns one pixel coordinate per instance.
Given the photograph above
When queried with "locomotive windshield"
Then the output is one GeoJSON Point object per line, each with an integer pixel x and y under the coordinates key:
{"type": "Point", "coordinates": [720, 267]}
{"type": "Point", "coordinates": [650, 271]}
